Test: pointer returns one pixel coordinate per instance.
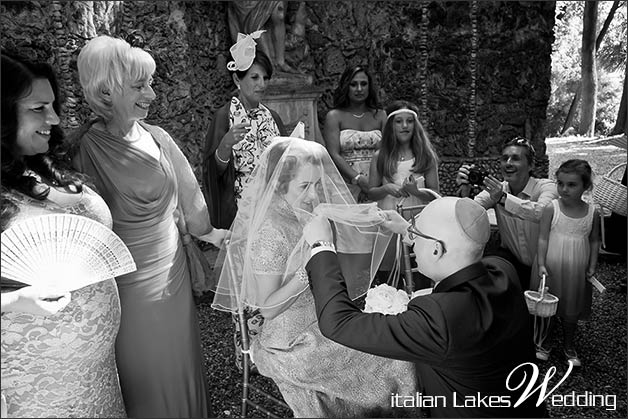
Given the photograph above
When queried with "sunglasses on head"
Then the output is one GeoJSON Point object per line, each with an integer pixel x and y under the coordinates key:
{"type": "Point", "coordinates": [521, 142]}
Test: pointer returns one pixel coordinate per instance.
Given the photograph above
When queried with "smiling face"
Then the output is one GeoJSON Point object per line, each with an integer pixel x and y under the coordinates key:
{"type": "Point", "coordinates": [404, 127]}
{"type": "Point", "coordinates": [303, 189]}
{"type": "Point", "coordinates": [570, 186]}
{"type": "Point", "coordinates": [35, 117]}
{"type": "Point", "coordinates": [132, 101]}
{"type": "Point", "coordinates": [253, 85]}
{"type": "Point", "coordinates": [359, 87]}
{"type": "Point", "coordinates": [514, 165]}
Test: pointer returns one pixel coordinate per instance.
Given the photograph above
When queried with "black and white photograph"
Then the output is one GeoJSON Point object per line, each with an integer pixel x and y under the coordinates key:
{"type": "Point", "coordinates": [313, 209]}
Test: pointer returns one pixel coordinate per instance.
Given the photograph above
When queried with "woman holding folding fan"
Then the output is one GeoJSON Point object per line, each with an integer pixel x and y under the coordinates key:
{"type": "Point", "coordinates": [57, 350]}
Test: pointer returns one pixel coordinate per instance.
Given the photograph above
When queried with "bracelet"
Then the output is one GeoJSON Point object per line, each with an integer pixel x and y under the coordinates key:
{"type": "Point", "coordinates": [221, 160]}
{"type": "Point", "coordinates": [354, 181]}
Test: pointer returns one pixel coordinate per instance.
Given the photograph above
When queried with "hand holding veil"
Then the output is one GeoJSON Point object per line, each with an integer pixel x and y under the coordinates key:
{"type": "Point", "coordinates": [262, 264]}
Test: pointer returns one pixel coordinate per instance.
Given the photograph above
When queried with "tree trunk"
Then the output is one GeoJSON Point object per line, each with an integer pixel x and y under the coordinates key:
{"type": "Point", "coordinates": [588, 70]}
{"type": "Point", "coordinates": [572, 109]}
{"type": "Point", "coordinates": [606, 24]}
{"type": "Point", "coordinates": [576, 98]}
{"type": "Point", "coordinates": [621, 124]}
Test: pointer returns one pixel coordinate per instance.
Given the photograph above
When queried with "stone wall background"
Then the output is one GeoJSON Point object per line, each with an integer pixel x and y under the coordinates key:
{"type": "Point", "coordinates": [190, 43]}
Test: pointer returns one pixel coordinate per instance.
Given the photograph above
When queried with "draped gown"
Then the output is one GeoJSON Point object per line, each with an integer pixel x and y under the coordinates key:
{"type": "Point", "coordinates": [63, 365]}
{"type": "Point", "coordinates": [158, 348]}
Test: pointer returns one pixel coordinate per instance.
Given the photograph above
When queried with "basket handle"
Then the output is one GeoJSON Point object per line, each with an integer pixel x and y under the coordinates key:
{"type": "Point", "coordinates": [542, 287]}
{"type": "Point", "coordinates": [615, 168]}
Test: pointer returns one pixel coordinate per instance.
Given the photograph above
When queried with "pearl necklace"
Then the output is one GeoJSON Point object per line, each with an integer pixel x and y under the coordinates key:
{"type": "Point", "coordinates": [358, 116]}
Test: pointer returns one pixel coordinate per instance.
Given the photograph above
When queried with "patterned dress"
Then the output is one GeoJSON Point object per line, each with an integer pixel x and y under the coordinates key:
{"type": "Point", "coordinates": [317, 376]}
{"type": "Point", "coordinates": [63, 365]}
{"type": "Point", "coordinates": [247, 151]}
{"type": "Point", "coordinates": [357, 148]}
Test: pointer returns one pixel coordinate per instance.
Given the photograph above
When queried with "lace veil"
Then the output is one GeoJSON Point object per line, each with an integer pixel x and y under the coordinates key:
{"type": "Point", "coordinates": [295, 180]}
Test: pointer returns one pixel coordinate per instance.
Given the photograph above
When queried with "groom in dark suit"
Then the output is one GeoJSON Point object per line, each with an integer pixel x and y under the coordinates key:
{"type": "Point", "coordinates": [465, 338]}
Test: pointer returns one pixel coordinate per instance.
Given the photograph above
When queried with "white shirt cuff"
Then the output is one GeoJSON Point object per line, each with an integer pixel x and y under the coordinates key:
{"type": "Point", "coordinates": [319, 249]}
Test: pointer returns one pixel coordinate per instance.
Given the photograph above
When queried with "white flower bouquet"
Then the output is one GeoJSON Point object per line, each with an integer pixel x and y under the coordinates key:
{"type": "Point", "coordinates": [389, 300]}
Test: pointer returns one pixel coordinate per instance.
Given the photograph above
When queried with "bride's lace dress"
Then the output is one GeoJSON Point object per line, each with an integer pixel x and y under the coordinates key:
{"type": "Point", "coordinates": [63, 365]}
{"type": "Point", "coordinates": [317, 377]}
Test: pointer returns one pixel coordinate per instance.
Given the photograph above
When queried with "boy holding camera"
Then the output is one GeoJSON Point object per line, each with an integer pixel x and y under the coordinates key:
{"type": "Point", "coordinates": [518, 201]}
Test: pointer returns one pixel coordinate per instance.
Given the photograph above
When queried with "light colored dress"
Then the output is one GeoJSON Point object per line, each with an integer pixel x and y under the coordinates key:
{"type": "Point", "coordinates": [317, 376]}
{"type": "Point", "coordinates": [158, 347]}
{"type": "Point", "coordinates": [357, 148]}
{"type": "Point", "coordinates": [404, 169]}
{"type": "Point", "coordinates": [566, 262]}
{"type": "Point", "coordinates": [63, 365]}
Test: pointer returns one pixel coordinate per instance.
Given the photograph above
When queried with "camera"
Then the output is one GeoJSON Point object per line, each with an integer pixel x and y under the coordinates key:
{"type": "Point", "coordinates": [476, 175]}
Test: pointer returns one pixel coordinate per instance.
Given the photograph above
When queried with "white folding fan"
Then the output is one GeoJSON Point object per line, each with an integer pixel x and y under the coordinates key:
{"type": "Point", "coordinates": [63, 251]}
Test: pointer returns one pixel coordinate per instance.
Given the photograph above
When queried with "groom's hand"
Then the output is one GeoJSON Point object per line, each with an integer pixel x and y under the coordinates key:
{"type": "Point", "coordinates": [395, 222]}
{"type": "Point", "coordinates": [317, 229]}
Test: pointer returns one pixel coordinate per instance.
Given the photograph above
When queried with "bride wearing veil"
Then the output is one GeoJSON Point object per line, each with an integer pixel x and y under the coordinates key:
{"type": "Point", "coordinates": [263, 267]}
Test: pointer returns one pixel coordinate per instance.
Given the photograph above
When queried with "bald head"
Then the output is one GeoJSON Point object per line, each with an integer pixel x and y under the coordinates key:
{"type": "Point", "coordinates": [460, 229]}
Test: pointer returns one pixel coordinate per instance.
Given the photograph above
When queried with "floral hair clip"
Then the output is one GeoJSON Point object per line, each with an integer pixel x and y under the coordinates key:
{"type": "Point", "coordinates": [243, 51]}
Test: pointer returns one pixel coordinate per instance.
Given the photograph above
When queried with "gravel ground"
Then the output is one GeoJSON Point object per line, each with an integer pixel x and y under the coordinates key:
{"type": "Point", "coordinates": [601, 341]}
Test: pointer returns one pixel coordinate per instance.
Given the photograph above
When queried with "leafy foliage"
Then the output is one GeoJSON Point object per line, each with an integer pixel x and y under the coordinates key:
{"type": "Point", "coordinates": [566, 58]}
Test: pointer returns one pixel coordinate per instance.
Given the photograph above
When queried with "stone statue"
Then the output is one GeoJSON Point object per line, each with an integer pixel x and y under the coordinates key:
{"type": "Point", "coordinates": [249, 16]}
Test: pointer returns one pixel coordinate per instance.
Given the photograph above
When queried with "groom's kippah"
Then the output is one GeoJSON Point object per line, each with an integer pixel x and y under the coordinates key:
{"type": "Point", "coordinates": [472, 220]}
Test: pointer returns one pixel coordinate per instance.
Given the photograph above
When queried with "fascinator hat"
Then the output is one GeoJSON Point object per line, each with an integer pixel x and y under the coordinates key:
{"type": "Point", "coordinates": [243, 51]}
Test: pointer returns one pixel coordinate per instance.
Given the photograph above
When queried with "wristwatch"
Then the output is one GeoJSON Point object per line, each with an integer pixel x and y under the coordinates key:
{"type": "Point", "coordinates": [502, 199]}
{"type": "Point", "coordinates": [354, 181]}
{"type": "Point", "coordinates": [319, 243]}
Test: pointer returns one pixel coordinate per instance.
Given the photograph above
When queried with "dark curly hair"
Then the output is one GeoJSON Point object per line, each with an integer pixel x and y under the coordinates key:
{"type": "Point", "coordinates": [341, 94]}
{"type": "Point", "coordinates": [54, 165]}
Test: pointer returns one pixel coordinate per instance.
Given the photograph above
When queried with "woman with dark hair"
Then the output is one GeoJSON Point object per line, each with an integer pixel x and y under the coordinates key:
{"type": "Point", "coordinates": [353, 128]}
{"type": "Point", "coordinates": [57, 360]}
{"type": "Point", "coordinates": [239, 133]}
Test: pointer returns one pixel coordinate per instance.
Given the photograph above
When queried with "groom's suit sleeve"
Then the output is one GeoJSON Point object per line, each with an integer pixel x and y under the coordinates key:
{"type": "Point", "coordinates": [420, 334]}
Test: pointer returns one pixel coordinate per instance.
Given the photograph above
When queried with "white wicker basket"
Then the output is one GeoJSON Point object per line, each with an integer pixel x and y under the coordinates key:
{"type": "Point", "coordinates": [611, 193]}
{"type": "Point", "coordinates": [541, 303]}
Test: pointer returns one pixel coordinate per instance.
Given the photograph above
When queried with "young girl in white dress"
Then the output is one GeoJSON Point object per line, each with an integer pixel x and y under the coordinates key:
{"type": "Point", "coordinates": [568, 251]}
{"type": "Point", "coordinates": [405, 162]}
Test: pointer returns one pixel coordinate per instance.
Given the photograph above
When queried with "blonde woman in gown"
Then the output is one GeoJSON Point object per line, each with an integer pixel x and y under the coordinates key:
{"type": "Point", "coordinates": [149, 186]}
{"type": "Point", "coordinates": [62, 363]}
{"type": "Point", "coordinates": [353, 128]}
{"type": "Point", "coordinates": [265, 269]}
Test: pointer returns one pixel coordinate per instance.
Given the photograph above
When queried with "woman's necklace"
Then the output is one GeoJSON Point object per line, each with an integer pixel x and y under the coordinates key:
{"type": "Point", "coordinates": [358, 115]}
{"type": "Point", "coordinates": [403, 157]}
